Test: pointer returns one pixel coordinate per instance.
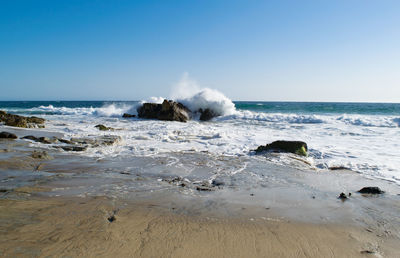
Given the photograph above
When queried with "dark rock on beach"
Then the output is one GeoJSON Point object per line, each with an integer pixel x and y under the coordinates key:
{"type": "Point", "coordinates": [21, 121]}
{"type": "Point", "coordinates": [296, 147]}
{"type": "Point", "coordinates": [7, 135]}
{"type": "Point", "coordinates": [168, 110]}
{"type": "Point", "coordinates": [371, 190]}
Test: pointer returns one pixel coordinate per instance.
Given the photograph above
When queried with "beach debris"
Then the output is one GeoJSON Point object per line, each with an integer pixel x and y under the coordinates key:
{"type": "Point", "coordinates": [296, 147]}
{"type": "Point", "coordinates": [104, 128]}
{"type": "Point", "coordinates": [343, 196]}
{"type": "Point", "coordinates": [7, 135]}
{"type": "Point", "coordinates": [21, 121]}
{"type": "Point", "coordinates": [371, 190]}
{"type": "Point", "coordinates": [126, 115]}
{"type": "Point", "coordinates": [169, 110]}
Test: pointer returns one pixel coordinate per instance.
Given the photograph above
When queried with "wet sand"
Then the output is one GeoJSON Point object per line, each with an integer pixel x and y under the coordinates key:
{"type": "Point", "coordinates": [101, 227]}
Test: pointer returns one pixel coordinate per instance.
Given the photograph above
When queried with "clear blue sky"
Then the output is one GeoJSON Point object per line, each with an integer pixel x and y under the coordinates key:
{"type": "Point", "coordinates": [250, 50]}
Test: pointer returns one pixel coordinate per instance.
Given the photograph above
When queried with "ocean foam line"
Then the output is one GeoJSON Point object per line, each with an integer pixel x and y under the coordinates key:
{"type": "Point", "coordinates": [357, 120]}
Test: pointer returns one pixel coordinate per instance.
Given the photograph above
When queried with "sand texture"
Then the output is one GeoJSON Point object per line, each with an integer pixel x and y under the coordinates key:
{"type": "Point", "coordinates": [80, 227]}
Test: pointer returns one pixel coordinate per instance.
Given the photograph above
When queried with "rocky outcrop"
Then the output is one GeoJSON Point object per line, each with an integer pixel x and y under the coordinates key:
{"type": "Point", "coordinates": [207, 114]}
{"type": "Point", "coordinates": [371, 190]}
{"type": "Point", "coordinates": [168, 110]}
{"type": "Point", "coordinates": [21, 121]}
{"type": "Point", "coordinates": [7, 135]}
{"type": "Point", "coordinates": [76, 144]}
{"type": "Point", "coordinates": [296, 147]}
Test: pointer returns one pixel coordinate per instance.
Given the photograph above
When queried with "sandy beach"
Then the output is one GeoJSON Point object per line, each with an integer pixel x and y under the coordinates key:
{"type": "Point", "coordinates": [99, 227]}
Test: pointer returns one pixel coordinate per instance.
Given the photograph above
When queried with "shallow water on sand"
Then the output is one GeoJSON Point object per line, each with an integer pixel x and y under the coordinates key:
{"type": "Point", "coordinates": [205, 184]}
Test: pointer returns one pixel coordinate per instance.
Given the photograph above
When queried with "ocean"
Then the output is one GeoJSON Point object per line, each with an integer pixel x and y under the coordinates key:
{"type": "Point", "coordinates": [363, 137]}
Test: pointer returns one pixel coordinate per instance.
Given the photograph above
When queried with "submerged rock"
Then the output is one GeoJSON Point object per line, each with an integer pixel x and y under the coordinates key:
{"type": "Point", "coordinates": [40, 155]}
{"type": "Point", "coordinates": [21, 121]}
{"type": "Point", "coordinates": [168, 110]}
{"type": "Point", "coordinates": [296, 147]}
{"type": "Point", "coordinates": [7, 135]}
{"type": "Point", "coordinates": [371, 190]}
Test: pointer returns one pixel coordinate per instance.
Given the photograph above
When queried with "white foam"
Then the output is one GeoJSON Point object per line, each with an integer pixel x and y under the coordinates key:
{"type": "Point", "coordinates": [192, 96]}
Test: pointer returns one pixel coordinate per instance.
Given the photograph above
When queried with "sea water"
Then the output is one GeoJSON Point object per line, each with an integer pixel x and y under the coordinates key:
{"type": "Point", "coordinates": [363, 137]}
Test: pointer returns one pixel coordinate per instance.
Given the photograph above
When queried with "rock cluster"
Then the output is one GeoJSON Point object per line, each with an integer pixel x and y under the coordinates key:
{"type": "Point", "coordinates": [75, 144]}
{"type": "Point", "coordinates": [169, 110]}
{"type": "Point", "coordinates": [296, 147]}
{"type": "Point", "coordinates": [21, 121]}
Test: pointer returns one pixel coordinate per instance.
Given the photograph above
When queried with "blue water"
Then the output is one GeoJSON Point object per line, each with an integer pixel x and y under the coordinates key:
{"type": "Point", "coordinates": [24, 107]}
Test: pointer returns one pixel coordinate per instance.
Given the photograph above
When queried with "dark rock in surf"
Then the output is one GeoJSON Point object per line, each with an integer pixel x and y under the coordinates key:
{"type": "Point", "coordinates": [65, 141]}
{"type": "Point", "coordinates": [45, 140]}
{"type": "Point", "coordinates": [168, 111]}
{"type": "Point", "coordinates": [126, 115]}
{"type": "Point", "coordinates": [73, 148]}
{"type": "Point", "coordinates": [7, 135]}
{"type": "Point", "coordinates": [207, 114]}
{"type": "Point", "coordinates": [339, 168]}
{"type": "Point", "coordinates": [296, 147]}
{"type": "Point", "coordinates": [371, 190]}
{"type": "Point", "coordinates": [104, 128]}
{"type": "Point", "coordinates": [343, 196]}
{"type": "Point", "coordinates": [21, 121]}
{"type": "Point", "coordinates": [30, 137]}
